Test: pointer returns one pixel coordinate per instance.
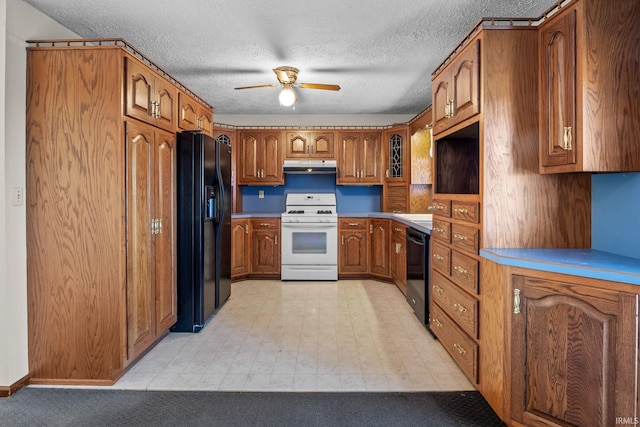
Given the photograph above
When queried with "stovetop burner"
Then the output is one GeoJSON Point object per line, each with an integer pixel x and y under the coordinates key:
{"type": "Point", "coordinates": [325, 212]}
{"type": "Point", "coordinates": [295, 212]}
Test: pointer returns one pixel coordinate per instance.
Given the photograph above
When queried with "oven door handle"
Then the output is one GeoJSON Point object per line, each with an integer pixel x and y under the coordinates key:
{"type": "Point", "coordinates": [308, 225]}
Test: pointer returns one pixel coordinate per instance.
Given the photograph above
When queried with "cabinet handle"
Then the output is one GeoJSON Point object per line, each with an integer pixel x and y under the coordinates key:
{"type": "Point", "coordinates": [460, 308]}
{"type": "Point", "coordinates": [398, 247]}
{"type": "Point", "coordinates": [460, 349]}
{"type": "Point", "coordinates": [153, 226]}
{"type": "Point", "coordinates": [437, 288]}
{"type": "Point", "coordinates": [276, 240]}
{"type": "Point", "coordinates": [437, 323]}
{"type": "Point", "coordinates": [438, 207]}
{"type": "Point", "coordinates": [460, 237]}
{"type": "Point", "coordinates": [567, 138]}
{"type": "Point", "coordinates": [265, 224]}
{"type": "Point", "coordinates": [460, 269]}
{"type": "Point", "coordinates": [438, 230]}
{"type": "Point", "coordinates": [396, 229]}
{"type": "Point", "coordinates": [452, 108]}
{"type": "Point", "coordinates": [461, 210]}
{"type": "Point", "coordinates": [516, 301]}
{"type": "Point", "coordinates": [159, 226]}
{"type": "Point", "coordinates": [246, 229]}
{"type": "Point", "coordinates": [342, 239]}
{"type": "Point", "coordinates": [438, 257]}
{"type": "Point", "coordinates": [371, 229]}
{"type": "Point", "coordinates": [353, 224]}
{"type": "Point", "coordinates": [387, 173]}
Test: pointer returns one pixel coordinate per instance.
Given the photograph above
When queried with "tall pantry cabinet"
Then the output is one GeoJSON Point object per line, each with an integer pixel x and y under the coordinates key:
{"type": "Point", "coordinates": [101, 277]}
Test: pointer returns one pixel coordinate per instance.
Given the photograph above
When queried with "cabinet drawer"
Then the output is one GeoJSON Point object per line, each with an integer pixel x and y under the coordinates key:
{"type": "Point", "coordinates": [441, 230]}
{"type": "Point", "coordinates": [398, 229]}
{"type": "Point", "coordinates": [441, 207]}
{"type": "Point", "coordinates": [465, 238]}
{"type": "Point", "coordinates": [441, 257]}
{"type": "Point", "coordinates": [265, 223]}
{"type": "Point", "coordinates": [352, 223]}
{"type": "Point", "coordinates": [464, 271]}
{"type": "Point", "coordinates": [461, 307]}
{"type": "Point", "coordinates": [463, 350]}
{"type": "Point", "coordinates": [466, 211]}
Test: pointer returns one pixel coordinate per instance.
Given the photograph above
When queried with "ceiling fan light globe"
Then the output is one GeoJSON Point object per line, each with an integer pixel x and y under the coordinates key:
{"type": "Point", "coordinates": [287, 97]}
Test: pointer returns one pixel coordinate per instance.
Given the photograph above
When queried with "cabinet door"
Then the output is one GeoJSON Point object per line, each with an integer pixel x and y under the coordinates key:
{"type": "Point", "coordinates": [187, 112]}
{"type": "Point", "coordinates": [396, 155]}
{"type": "Point", "coordinates": [271, 159]}
{"type": "Point", "coordinates": [348, 155]}
{"type": "Point", "coordinates": [297, 145]}
{"type": "Point", "coordinates": [140, 91]}
{"type": "Point", "coordinates": [239, 247]}
{"type": "Point", "coordinates": [206, 120]}
{"type": "Point", "coordinates": [370, 164]}
{"type": "Point", "coordinates": [558, 91]}
{"type": "Point", "coordinates": [165, 249]}
{"type": "Point", "coordinates": [440, 89]}
{"type": "Point", "coordinates": [353, 252]}
{"type": "Point", "coordinates": [166, 98]}
{"type": "Point", "coordinates": [322, 145]}
{"type": "Point", "coordinates": [248, 158]}
{"type": "Point", "coordinates": [379, 255]}
{"type": "Point", "coordinates": [574, 354]}
{"type": "Point", "coordinates": [140, 258]}
{"type": "Point", "coordinates": [464, 83]}
{"type": "Point", "coordinates": [265, 247]}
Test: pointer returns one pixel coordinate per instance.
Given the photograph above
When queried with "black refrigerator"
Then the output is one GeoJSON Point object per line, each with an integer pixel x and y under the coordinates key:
{"type": "Point", "coordinates": [203, 228]}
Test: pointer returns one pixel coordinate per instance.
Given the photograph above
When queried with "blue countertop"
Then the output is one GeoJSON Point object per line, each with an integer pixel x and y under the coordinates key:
{"type": "Point", "coordinates": [577, 262]}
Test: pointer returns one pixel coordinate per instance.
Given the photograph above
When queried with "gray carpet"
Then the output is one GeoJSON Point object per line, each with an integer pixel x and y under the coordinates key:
{"type": "Point", "coordinates": [74, 407]}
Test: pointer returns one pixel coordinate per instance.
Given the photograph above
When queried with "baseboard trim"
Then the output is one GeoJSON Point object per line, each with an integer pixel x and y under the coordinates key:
{"type": "Point", "coordinates": [6, 391]}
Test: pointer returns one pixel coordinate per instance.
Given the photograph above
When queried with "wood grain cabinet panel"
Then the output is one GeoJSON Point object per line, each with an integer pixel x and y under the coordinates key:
{"type": "Point", "coordinates": [379, 235]}
{"type": "Point", "coordinates": [260, 158]}
{"type": "Point", "coordinates": [440, 257]}
{"type": "Point", "coordinates": [240, 265]}
{"type": "Point", "coordinates": [586, 50]}
{"type": "Point", "coordinates": [102, 254]}
{"type": "Point", "coordinates": [465, 238]}
{"type": "Point", "coordinates": [353, 249]}
{"type": "Point", "coordinates": [192, 115]}
{"type": "Point", "coordinates": [574, 354]}
{"type": "Point", "coordinates": [150, 97]}
{"type": "Point", "coordinates": [309, 144]}
{"type": "Point", "coordinates": [359, 158]}
{"type": "Point", "coordinates": [265, 246]}
{"type": "Point", "coordinates": [441, 230]}
{"type": "Point", "coordinates": [459, 306]}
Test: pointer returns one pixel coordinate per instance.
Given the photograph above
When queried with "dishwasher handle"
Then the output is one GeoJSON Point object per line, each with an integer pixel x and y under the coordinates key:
{"type": "Point", "coordinates": [416, 237]}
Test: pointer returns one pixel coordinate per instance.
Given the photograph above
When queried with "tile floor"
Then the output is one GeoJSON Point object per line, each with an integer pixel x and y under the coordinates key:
{"type": "Point", "coordinates": [349, 335]}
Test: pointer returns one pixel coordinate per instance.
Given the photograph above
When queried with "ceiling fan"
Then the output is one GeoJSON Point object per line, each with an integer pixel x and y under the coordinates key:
{"type": "Point", "coordinates": [287, 77]}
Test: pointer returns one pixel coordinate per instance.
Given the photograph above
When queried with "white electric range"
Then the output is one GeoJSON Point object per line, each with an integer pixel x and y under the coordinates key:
{"type": "Point", "coordinates": [309, 237]}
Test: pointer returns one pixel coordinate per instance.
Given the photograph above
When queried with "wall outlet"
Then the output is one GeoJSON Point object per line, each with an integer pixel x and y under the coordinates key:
{"type": "Point", "coordinates": [260, 194]}
{"type": "Point", "coordinates": [17, 198]}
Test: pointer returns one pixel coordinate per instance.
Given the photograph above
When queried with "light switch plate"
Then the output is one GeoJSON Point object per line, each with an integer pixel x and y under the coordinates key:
{"type": "Point", "coordinates": [260, 194]}
{"type": "Point", "coordinates": [17, 198]}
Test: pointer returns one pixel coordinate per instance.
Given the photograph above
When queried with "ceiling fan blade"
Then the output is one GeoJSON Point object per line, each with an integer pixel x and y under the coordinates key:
{"type": "Point", "coordinates": [318, 86]}
{"type": "Point", "coordinates": [255, 87]}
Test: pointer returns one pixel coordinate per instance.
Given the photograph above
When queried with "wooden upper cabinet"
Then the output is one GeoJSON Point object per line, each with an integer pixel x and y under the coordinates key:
{"type": "Point", "coordinates": [192, 115]}
{"type": "Point", "coordinates": [359, 158]}
{"type": "Point", "coordinates": [574, 354]}
{"type": "Point", "coordinates": [396, 154]}
{"type": "Point", "coordinates": [149, 96]}
{"type": "Point", "coordinates": [260, 158]}
{"type": "Point", "coordinates": [588, 88]}
{"type": "Point", "coordinates": [309, 144]}
{"type": "Point", "coordinates": [456, 92]}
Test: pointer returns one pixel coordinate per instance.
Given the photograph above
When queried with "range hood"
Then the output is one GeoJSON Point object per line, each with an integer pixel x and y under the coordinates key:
{"type": "Point", "coordinates": [310, 166]}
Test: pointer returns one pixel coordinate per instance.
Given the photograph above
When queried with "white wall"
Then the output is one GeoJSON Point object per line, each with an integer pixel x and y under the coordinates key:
{"type": "Point", "coordinates": [20, 22]}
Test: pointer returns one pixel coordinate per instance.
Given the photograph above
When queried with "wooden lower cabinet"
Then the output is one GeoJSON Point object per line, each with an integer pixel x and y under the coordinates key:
{"type": "Point", "coordinates": [265, 246]}
{"type": "Point", "coordinates": [240, 265]}
{"type": "Point", "coordinates": [574, 353]}
{"type": "Point", "coordinates": [398, 256]}
{"type": "Point", "coordinates": [379, 230]}
{"type": "Point", "coordinates": [352, 247]}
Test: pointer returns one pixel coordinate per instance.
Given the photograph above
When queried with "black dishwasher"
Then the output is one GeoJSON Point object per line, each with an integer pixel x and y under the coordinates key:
{"type": "Point", "coordinates": [418, 274]}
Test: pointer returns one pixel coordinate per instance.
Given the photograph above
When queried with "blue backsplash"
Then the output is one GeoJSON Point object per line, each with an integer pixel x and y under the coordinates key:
{"type": "Point", "coordinates": [349, 198]}
{"type": "Point", "coordinates": [615, 213]}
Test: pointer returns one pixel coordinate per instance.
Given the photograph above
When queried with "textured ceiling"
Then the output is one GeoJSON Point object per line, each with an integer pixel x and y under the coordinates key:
{"type": "Point", "coordinates": [381, 52]}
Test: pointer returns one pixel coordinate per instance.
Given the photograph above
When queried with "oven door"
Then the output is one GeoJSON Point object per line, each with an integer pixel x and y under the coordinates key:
{"type": "Point", "coordinates": [309, 243]}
